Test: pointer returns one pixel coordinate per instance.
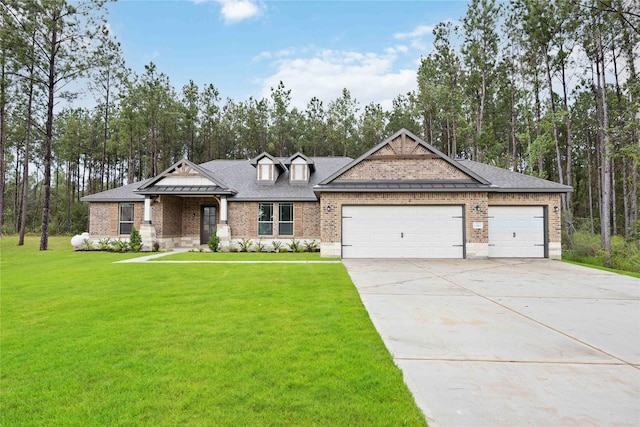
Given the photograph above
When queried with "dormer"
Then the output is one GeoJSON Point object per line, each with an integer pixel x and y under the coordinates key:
{"type": "Point", "coordinates": [268, 168]}
{"type": "Point", "coordinates": [300, 168]}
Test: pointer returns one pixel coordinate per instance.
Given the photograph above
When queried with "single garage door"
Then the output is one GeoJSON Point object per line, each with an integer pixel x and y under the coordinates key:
{"type": "Point", "coordinates": [516, 232]}
{"type": "Point", "coordinates": [402, 232]}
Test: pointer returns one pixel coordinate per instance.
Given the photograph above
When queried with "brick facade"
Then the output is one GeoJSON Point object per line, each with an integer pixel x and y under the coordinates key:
{"type": "Point", "coordinates": [475, 211]}
{"type": "Point", "coordinates": [243, 221]}
{"type": "Point", "coordinates": [407, 169]}
{"type": "Point", "coordinates": [104, 219]}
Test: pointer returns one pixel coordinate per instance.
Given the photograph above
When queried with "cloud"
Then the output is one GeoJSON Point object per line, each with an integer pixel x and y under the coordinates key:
{"type": "Point", "coordinates": [234, 11]}
{"type": "Point", "coordinates": [419, 32]}
{"type": "Point", "coordinates": [275, 54]}
{"type": "Point", "coordinates": [416, 38]}
{"type": "Point", "coordinates": [369, 77]}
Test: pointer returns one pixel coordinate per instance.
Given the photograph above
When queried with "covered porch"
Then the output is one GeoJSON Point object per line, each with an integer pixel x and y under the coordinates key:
{"type": "Point", "coordinates": [184, 221]}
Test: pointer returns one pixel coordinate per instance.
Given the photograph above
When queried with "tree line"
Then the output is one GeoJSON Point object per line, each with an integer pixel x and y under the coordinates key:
{"type": "Point", "coordinates": [547, 88]}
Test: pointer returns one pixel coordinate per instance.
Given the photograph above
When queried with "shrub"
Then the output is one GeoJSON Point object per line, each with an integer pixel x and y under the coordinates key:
{"type": "Point", "coordinates": [156, 246]}
{"type": "Point", "coordinates": [120, 245]}
{"type": "Point", "coordinates": [214, 242]}
{"type": "Point", "coordinates": [245, 245]}
{"type": "Point", "coordinates": [294, 245]}
{"type": "Point", "coordinates": [104, 244]}
{"type": "Point", "coordinates": [310, 245]}
{"type": "Point", "coordinates": [277, 245]}
{"type": "Point", "coordinates": [260, 247]}
{"type": "Point", "coordinates": [87, 245]}
{"type": "Point", "coordinates": [135, 240]}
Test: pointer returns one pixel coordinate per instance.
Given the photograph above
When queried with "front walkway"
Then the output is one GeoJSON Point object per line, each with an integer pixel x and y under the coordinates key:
{"type": "Point", "coordinates": [183, 250]}
{"type": "Point", "coordinates": [509, 342]}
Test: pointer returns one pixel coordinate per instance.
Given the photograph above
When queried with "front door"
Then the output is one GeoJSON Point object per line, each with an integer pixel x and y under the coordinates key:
{"type": "Point", "coordinates": [207, 223]}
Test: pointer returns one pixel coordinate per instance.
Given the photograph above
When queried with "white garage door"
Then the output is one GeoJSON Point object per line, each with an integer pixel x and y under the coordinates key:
{"type": "Point", "coordinates": [516, 232]}
{"type": "Point", "coordinates": [402, 232]}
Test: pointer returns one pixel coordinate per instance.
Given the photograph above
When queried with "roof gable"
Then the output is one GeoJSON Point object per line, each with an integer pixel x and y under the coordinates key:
{"type": "Point", "coordinates": [254, 162]}
{"type": "Point", "coordinates": [287, 162]}
{"type": "Point", "coordinates": [404, 157]}
{"type": "Point", "coordinates": [184, 177]}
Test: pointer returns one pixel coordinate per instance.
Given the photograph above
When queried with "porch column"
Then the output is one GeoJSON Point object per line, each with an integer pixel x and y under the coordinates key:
{"type": "Point", "coordinates": [147, 231]}
{"type": "Point", "coordinates": [223, 209]}
{"type": "Point", "coordinates": [147, 209]}
{"type": "Point", "coordinates": [222, 230]}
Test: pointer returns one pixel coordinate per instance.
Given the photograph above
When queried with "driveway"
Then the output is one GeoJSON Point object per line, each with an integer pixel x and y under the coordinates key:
{"type": "Point", "coordinates": [509, 342]}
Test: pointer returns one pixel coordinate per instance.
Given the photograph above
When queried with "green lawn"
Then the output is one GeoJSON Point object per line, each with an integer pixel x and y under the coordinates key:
{"type": "Point", "coordinates": [88, 342]}
{"type": "Point", "coordinates": [244, 256]}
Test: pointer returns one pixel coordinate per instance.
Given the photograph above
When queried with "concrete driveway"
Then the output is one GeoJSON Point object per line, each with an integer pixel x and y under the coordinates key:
{"type": "Point", "coordinates": [509, 342]}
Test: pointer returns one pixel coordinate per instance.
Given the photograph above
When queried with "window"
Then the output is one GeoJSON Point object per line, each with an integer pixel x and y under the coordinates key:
{"type": "Point", "coordinates": [285, 217]}
{"type": "Point", "coordinates": [298, 172]}
{"type": "Point", "coordinates": [264, 172]}
{"type": "Point", "coordinates": [126, 218]}
{"type": "Point", "coordinates": [265, 219]}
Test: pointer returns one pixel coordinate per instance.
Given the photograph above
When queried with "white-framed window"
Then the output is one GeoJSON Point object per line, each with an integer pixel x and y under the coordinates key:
{"type": "Point", "coordinates": [265, 219]}
{"type": "Point", "coordinates": [125, 220]}
{"type": "Point", "coordinates": [265, 170]}
{"type": "Point", "coordinates": [299, 171]}
{"type": "Point", "coordinates": [285, 219]}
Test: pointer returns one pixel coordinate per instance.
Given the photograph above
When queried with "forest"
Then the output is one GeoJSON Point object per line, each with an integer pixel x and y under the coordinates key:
{"type": "Point", "coordinates": [543, 87]}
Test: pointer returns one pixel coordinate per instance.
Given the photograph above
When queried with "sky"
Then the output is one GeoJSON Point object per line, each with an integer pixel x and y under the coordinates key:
{"type": "Point", "coordinates": [316, 48]}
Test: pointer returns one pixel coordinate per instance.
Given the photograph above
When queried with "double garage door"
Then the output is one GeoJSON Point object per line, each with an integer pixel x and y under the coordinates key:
{"type": "Point", "coordinates": [402, 232]}
{"type": "Point", "coordinates": [437, 231]}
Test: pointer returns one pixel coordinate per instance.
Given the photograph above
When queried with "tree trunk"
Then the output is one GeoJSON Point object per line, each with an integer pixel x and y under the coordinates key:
{"type": "Point", "coordinates": [605, 155]}
{"type": "Point", "coordinates": [25, 163]}
{"type": "Point", "coordinates": [51, 86]}
{"type": "Point", "coordinates": [554, 126]}
{"type": "Point", "coordinates": [567, 197]}
{"type": "Point", "coordinates": [105, 132]}
{"type": "Point", "coordinates": [3, 103]}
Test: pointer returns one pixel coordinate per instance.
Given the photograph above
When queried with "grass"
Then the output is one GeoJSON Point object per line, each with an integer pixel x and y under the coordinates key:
{"type": "Point", "coordinates": [593, 264]}
{"type": "Point", "coordinates": [88, 342]}
{"type": "Point", "coordinates": [244, 256]}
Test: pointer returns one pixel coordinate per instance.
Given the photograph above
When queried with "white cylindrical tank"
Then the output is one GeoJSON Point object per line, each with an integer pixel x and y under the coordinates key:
{"type": "Point", "coordinates": [76, 241]}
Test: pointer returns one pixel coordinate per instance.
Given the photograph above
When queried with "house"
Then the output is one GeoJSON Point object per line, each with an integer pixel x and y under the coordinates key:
{"type": "Point", "coordinates": [401, 199]}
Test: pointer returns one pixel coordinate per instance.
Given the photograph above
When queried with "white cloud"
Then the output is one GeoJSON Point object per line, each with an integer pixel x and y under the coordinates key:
{"type": "Point", "coordinates": [276, 54]}
{"type": "Point", "coordinates": [418, 32]}
{"type": "Point", "coordinates": [234, 11]}
{"type": "Point", "coordinates": [369, 77]}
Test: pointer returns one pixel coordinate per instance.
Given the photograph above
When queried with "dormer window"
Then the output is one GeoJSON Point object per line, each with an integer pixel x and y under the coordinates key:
{"type": "Point", "coordinates": [299, 170]}
{"type": "Point", "coordinates": [265, 170]}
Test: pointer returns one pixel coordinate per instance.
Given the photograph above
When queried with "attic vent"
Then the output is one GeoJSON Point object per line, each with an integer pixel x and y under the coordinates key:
{"type": "Point", "coordinates": [182, 170]}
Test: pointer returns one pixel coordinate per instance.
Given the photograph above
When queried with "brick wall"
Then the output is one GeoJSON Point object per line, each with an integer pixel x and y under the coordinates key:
{"type": "Point", "coordinates": [104, 217]}
{"type": "Point", "coordinates": [403, 169]}
{"type": "Point", "coordinates": [243, 220]}
{"type": "Point", "coordinates": [475, 207]}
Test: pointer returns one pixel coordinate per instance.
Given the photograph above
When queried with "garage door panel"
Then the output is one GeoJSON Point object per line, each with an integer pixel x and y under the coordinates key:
{"type": "Point", "coordinates": [516, 232]}
{"type": "Point", "coordinates": [402, 232]}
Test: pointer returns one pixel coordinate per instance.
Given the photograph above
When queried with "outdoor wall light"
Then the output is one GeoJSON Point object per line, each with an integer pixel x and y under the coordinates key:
{"type": "Point", "coordinates": [556, 209]}
{"type": "Point", "coordinates": [328, 208]}
{"type": "Point", "coordinates": [477, 208]}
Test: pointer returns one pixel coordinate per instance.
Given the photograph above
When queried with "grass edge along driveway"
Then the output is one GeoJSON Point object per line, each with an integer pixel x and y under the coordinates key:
{"type": "Point", "coordinates": [88, 342]}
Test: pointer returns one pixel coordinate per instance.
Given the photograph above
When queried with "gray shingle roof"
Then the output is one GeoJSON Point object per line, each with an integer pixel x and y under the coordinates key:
{"type": "Point", "coordinates": [503, 180]}
{"type": "Point", "coordinates": [241, 176]}
{"type": "Point", "coordinates": [120, 194]}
